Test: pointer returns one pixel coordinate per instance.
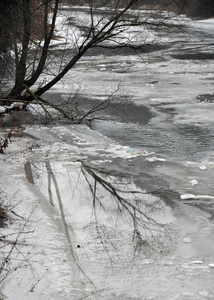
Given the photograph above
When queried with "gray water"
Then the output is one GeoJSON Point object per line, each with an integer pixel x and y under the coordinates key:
{"type": "Point", "coordinates": [185, 142]}
{"type": "Point", "coordinates": [169, 91]}
{"type": "Point", "coordinates": [165, 96]}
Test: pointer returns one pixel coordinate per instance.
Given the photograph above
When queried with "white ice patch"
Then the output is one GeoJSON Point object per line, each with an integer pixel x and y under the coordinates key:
{"type": "Point", "coordinates": [187, 240]}
{"type": "Point", "coordinates": [194, 182]}
{"type": "Point", "coordinates": [98, 162]}
{"type": "Point", "coordinates": [152, 159]}
{"type": "Point", "coordinates": [196, 262]}
{"type": "Point", "coordinates": [133, 153]}
{"type": "Point", "coordinates": [2, 109]}
{"type": "Point", "coordinates": [191, 196]}
{"type": "Point", "coordinates": [74, 164]}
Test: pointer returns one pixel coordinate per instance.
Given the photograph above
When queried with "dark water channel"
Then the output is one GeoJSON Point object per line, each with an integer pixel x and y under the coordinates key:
{"type": "Point", "coordinates": [186, 142]}
{"type": "Point", "coordinates": [177, 71]}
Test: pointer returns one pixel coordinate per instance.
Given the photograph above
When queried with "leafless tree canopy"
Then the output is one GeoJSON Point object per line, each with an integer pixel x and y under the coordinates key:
{"type": "Point", "coordinates": [28, 29]}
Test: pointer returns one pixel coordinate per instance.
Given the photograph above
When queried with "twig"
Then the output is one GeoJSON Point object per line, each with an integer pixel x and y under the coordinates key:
{"type": "Point", "coordinates": [38, 98]}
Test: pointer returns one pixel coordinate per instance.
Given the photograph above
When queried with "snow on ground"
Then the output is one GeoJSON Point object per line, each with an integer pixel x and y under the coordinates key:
{"type": "Point", "coordinates": [40, 262]}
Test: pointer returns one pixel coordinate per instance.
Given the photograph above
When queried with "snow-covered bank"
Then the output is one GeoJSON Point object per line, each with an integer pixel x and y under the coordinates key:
{"type": "Point", "coordinates": [73, 245]}
{"type": "Point", "coordinates": [39, 263]}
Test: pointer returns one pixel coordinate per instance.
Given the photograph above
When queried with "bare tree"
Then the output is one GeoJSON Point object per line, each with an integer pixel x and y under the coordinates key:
{"type": "Point", "coordinates": [32, 48]}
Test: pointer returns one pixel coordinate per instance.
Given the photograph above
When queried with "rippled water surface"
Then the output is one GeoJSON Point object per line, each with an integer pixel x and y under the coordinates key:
{"type": "Point", "coordinates": [165, 92]}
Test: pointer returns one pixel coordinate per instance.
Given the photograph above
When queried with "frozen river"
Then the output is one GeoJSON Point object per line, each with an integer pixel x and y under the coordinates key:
{"type": "Point", "coordinates": [166, 96]}
{"type": "Point", "coordinates": [165, 128]}
{"type": "Point", "coordinates": [134, 191]}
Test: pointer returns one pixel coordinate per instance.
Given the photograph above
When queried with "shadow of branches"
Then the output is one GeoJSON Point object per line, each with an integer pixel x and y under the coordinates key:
{"type": "Point", "coordinates": [141, 211]}
{"type": "Point", "coordinates": [110, 210]}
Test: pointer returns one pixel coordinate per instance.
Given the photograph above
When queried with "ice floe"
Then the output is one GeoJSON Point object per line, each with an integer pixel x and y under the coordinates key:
{"type": "Point", "coordinates": [191, 196]}
{"type": "Point", "coordinates": [203, 168]}
{"type": "Point", "coordinates": [194, 182]}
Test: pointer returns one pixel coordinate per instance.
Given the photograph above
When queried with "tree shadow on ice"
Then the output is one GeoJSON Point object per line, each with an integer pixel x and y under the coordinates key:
{"type": "Point", "coordinates": [98, 208]}
{"type": "Point", "coordinates": [137, 213]}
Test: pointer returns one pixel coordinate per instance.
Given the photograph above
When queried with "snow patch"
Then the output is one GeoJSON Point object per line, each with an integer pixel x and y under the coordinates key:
{"type": "Point", "coordinates": [191, 196]}
{"type": "Point", "coordinates": [187, 240]}
{"type": "Point", "coordinates": [196, 262]}
{"type": "Point", "coordinates": [152, 159]}
{"type": "Point", "coordinates": [194, 182]}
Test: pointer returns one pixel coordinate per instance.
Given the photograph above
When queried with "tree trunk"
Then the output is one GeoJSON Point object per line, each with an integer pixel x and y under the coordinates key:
{"type": "Point", "coordinates": [47, 39]}
{"type": "Point", "coordinates": [21, 65]}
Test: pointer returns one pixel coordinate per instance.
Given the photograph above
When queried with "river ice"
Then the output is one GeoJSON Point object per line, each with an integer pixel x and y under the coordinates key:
{"type": "Point", "coordinates": [72, 246]}
{"type": "Point", "coordinates": [124, 209]}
